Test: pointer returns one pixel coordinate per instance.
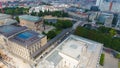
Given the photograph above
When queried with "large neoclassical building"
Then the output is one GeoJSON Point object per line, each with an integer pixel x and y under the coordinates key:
{"type": "Point", "coordinates": [21, 41]}
{"type": "Point", "coordinates": [32, 22]}
{"type": "Point", "coordinates": [74, 52]}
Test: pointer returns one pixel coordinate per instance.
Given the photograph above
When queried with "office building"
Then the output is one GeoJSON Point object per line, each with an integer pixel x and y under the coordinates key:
{"type": "Point", "coordinates": [105, 19]}
{"type": "Point", "coordinates": [109, 5]}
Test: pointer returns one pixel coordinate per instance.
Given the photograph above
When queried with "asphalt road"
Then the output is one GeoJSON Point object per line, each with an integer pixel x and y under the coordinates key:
{"type": "Point", "coordinates": [110, 61]}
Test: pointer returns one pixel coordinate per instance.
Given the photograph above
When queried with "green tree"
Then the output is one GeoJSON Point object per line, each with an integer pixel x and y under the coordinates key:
{"type": "Point", "coordinates": [17, 19]}
{"type": "Point", "coordinates": [62, 24]}
{"type": "Point", "coordinates": [16, 10]}
{"type": "Point", "coordinates": [112, 32]}
{"type": "Point", "coordinates": [51, 34]}
{"type": "Point", "coordinates": [34, 14]}
{"type": "Point", "coordinates": [102, 59]}
{"type": "Point", "coordinates": [118, 56]}
{"type": "Point", "coordinates": [99, 36]}
{"type": "Point", "coordinates": [104, 29]}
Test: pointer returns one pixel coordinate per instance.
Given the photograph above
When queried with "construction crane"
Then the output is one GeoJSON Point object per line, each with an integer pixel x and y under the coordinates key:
{"type": "Point", "coordinates": [1, 7]}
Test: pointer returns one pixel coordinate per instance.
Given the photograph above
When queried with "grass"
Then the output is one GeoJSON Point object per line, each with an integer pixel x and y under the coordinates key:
{"type": "Point", "coordinates": [102, 59]}
{"type": "Point", "coordinates": [118, 64]}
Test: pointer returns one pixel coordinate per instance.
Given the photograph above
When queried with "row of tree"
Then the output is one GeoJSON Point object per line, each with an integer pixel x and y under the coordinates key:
{"type": "Point", "coordinates": [102, 35]}
{"type": "Point", "coordinates": [61, 24]}
{"type": "Point", "coordinates": [15, 10]}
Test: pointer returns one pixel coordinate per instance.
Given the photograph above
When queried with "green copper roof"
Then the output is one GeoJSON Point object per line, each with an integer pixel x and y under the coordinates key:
{"type": "Point", "coordinates": [30, 18]}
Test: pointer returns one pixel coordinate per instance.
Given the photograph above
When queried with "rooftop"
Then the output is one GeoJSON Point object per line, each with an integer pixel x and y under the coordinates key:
{"type": "Point", "coordinates": [10, 21]}
{"type": "Point", "coordinates": [8, 30]}
{"type": "Point", "coordinates": [57, 58]}
{"type": "Point", "coordinates": [4, 16]}
{"type": "Point", "coordinates": [30, 18]}
{"type": "Point", "coordinates": [72, 47]}
{"type": "Point", "coordinates": [26, 38]}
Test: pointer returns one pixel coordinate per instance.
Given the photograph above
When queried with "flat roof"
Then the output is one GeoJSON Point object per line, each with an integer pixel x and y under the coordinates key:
{"type": "Point", "coordinates": [30, 18]}
{"type": "Point", "coordinates": [4, 16]}
{"type": "Point", "coordinates": [72, 46]}
{"type": "Point", "coordinates": [9, 21]}
{"type": "Point", "coordinates": [8, 30]}
{"type": "Point", "coordinates": [27, 38]}
{"type": "Point", "coordinates": [57, 58]}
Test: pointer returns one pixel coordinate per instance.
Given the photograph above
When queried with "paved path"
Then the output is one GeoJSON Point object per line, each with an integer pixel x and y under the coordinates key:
{"type": "Point", "coordinates": [110, 61]}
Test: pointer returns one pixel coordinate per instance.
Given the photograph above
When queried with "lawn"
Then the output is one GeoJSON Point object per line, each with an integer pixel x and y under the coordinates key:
{"type": "Point", "coordinates": [118, 64]}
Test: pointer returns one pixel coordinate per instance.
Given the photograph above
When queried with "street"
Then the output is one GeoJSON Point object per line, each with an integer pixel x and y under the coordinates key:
{"type": "Point", "coordinates": [110, 61]}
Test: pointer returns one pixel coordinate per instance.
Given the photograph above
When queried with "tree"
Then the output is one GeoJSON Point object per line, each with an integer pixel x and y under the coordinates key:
{"type": "Point", "coordinates": [118, 56]}
{"type": "Point", "coordinates": [33, 13]}
{"type": "Point", "coordinates": [17, 19]}
{"type": "Point", "coordinates": [112, 32]}
{"type": "Point", "coordinates": [62, 24]}
{"type": "Point", "coordinates": [99, 36]}
{"type": "Point", "coordinates": [51, 34]}
{"type": "Point", "coordinates": [102, 59]}
{"type": "Point", "coordinates": [15, 10]}
{"type": "Point", "coordinates": [104, 29]}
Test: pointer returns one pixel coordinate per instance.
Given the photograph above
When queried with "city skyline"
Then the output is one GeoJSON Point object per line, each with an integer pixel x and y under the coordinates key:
{"type": "Point", "coordinates": [59, 34]}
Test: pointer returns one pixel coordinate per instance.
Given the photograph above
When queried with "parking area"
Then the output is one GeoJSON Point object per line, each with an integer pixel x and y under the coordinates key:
{"type": "Point", "coordinates": [110, 61]}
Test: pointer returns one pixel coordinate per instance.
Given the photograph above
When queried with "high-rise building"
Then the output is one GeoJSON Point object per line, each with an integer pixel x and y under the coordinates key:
{"type": "Point", "coordinates": [98, 2]}
{"type": "Point", "coordinates": [109, 5]}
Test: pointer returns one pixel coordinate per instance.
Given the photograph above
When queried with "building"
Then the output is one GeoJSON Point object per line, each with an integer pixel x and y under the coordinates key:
{"type": "Point", "coordinates": [92, 16]}
{"type": "Point", "coordinates": [32, 22]}
{"type": "Point", "coordinates": [73, 52]}
{"type": "Point", "coordinates": [109, 5]}
{"type": "Point", "coordinates": [6, 19]}
{"type": "Point", "coordinates": [118, 23]}
{"type": "Point", "coordinates": [21, 41]}
{"type": "Point", "coordinates": [52, 7]}
{"type": "Point", "coordinates": [98, 2]}
{"type": "Point", "coordinates": [5, 16]}
{"type": "Point", "coordinates": [8, 31]}
{"type": "Point", "coordinates": [105, 19]}
{"type": "Point", "coordinates": [50, 19]}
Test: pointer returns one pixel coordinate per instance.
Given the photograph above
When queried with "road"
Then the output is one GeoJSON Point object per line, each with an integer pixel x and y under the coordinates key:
{"type": "Point", "coordinates": [110, 61]}
{"type": "Point", "coordinates": [53, 43]}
